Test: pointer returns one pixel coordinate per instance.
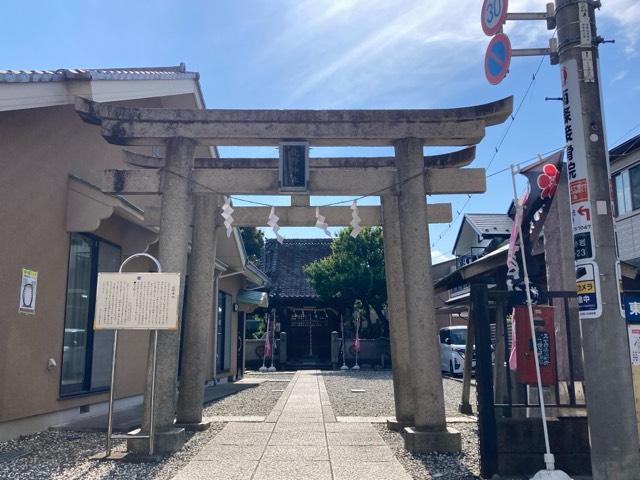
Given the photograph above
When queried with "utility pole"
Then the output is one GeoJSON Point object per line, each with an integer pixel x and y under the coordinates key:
{"type": "Point", "coordinates": [607, 366]}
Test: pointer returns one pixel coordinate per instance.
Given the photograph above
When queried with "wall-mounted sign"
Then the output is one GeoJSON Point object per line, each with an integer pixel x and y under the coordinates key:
{"type": "Point", "coordinates": [137, 301]}
{"type": "Point", "coordinates": [294, 166]}
{"type": "Point", "coordinates": [494, 14]}
{"type": "Point", "coordinates": [634, 344]}
{"type": "Point", "coordinates": [631, 302]}
{"type": "Point", "coordinates": [588, 289]}
{"type": "Point", "coordinates": [28, 289]}
{"type": "Point", "coordinates": [497, 59]}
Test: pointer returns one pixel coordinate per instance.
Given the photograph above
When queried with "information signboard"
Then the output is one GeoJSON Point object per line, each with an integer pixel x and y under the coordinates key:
{"type": "Point", "coordinates": [634, 344]}
{"type": "Point", "coordinates": [137, 301]}
{"type": "Point", "coordinates": [587, 276]}
{"type": "Point", "coordinates": [28, 290]}
{"type": "Point", "coordinates": [588, 289]}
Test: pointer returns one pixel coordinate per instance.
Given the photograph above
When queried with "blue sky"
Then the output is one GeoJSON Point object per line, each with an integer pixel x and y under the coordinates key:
{"type": "Point", "coordinates": [338, 54]}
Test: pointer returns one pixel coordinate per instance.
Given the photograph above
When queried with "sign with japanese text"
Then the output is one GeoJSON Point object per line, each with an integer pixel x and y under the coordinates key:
{"type": "Point", "coordinates": [28, 289]}
{"type": "Point", "coordinates": [137, 301]}
{"type": "Point", "coordinates": [581, 215]}
{"type": "Point", "coordinates": [631, 302]}
{"type": "Point", "coordinates": [587, 272]}
{"type": "Point", "coordinates": [588, 289]}
{"type": "Point", "coordinates": [634, 344]}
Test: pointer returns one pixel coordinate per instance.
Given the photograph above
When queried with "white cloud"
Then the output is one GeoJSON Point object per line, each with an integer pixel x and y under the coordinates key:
{"type": "Point", "coordinates": [625, 14]}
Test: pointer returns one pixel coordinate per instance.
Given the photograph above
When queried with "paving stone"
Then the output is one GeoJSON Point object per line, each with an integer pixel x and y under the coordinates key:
{"type": "Point", "coordinates": [299, 427]}
{"type": "Point", "coordinates": [369, 471]}
{"type": "Point", "coordinates": [367, 453]}
{"type": "Point", "coordinates": [354, 438]}
{"type": "Point", "coordinates": [294, 471]}
{"type": "Point", "coordinates": [294, 453]}
{"type": "Point", "coordinates": [349, 427]}
{"type": "Point", "coordinates": [214, 452]}
{"type": "Point", "coordinates": [234, 418]}
{"type": "Point", "coordinates": [298, 438]}
{"type": "Point", "coordinates": [248, 427]}
{"type": "Point", "coordinates": [237, 438]}
{"type": "Point", "coordinates": [292, 419]}
{"type": "Point", "coordinates": [216, 470]}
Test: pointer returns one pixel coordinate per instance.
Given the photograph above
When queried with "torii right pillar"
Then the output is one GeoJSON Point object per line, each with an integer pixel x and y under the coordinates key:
{"type": "Point", "coordinates": [430, 432]}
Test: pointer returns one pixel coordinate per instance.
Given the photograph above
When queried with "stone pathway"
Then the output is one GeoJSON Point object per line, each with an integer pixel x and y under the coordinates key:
{"type": "Point", "coordinates": [300, 439]}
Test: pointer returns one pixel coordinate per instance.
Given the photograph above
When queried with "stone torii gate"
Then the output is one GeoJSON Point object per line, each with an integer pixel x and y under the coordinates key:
{"type": "Point", "coordinates": [401, 181]}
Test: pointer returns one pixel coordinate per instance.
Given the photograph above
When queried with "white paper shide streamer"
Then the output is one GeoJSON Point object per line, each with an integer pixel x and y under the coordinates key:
{"type": "Point", "coordinates": [355, 220]}
{"type": "Point", "coordinates": [321, 224]}
{"type": "Point", "coordinates": [228, 219]}
{"type": "Point", "coordinates": [273, 223]}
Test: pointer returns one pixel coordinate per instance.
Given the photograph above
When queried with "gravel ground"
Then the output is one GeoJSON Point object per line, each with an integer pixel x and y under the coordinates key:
{"type": "Point", "coordinates": [377, 399]}
{"type": "Point", "coordinates": [58, 455]}
{"type": "Point", "coordinates": [65, 455]}
{"type": "Point", "coordinates": [421, 466]}
{"type": "Point", "coordinates": [258, 401]}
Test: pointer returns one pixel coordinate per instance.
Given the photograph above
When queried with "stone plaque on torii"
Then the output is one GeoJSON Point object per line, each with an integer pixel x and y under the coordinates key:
{"type": "Point", "coordinates": [401, 181]}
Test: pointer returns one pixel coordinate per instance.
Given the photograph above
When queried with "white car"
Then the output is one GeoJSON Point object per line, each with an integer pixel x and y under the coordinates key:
{"type": "Point", "coordinates": [453, 341]}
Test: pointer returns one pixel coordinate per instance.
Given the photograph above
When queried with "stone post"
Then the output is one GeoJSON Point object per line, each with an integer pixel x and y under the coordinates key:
{"type": "Point", "coordinates": [465, 406]}
{"type": "Point", "coordinates": [403, 392]}
{"type": "Point", "coordinates": [199, 312]}
{"type": "Point", "coordinates": [283, 349]}
{"type": "Point", "coordinates": [430, 432]}
{"type": "Point", "coordinates": [335, 349]}
{"type": "Point", "coordinates": [175, 223]}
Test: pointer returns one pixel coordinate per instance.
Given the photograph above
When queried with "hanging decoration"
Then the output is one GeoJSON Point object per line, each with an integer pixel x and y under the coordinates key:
{"type": "Point", "coordinates": [355, 220]}
{"type": "Point", "coordinates": [320, 222]}
{"type": "Point", "coordinates": [227, 210]}
{"type": "Point", "coordinates": [273, 223]}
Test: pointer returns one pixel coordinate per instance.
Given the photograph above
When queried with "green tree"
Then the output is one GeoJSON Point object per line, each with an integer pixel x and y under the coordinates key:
{"type": "Point", "coordinates": [253, 240]}
{"type": "Point", "coordinates": [354, 272]}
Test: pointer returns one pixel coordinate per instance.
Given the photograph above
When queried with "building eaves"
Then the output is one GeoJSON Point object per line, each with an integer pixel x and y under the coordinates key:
{"type": "Point", "coordinates": [624, 149]}
{"type": "Point", "coordinates": [178, 72]}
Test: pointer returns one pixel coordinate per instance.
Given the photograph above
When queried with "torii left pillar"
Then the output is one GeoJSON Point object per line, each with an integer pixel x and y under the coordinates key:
{"type": "Point", "coordinates": [175, 222]}
{"type": "Point", "coordinates": [430, 432]}
{"type": "Point", "coordinates": [200, 311]}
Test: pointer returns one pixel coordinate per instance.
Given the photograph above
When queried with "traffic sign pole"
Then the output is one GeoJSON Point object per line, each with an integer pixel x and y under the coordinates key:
{"type": "Point", "coordinates": [607, 367]}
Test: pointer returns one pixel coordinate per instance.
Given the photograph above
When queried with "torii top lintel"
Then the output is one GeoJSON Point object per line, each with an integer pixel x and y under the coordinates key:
{"type": "Point", "coordinates": [152, 126]}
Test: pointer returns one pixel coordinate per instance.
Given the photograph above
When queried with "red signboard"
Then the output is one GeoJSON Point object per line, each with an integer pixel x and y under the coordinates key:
{"type": "Point", "coordinates": [578, 191]}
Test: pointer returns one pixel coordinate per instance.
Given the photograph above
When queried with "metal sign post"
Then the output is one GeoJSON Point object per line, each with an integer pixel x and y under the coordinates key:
{"type": "Point", "coordinates": [123, 303]}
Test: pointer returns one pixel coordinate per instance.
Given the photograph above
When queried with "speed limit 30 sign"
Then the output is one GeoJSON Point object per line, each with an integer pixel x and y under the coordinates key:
{"type": "Point", "coordinates": [494, 14]}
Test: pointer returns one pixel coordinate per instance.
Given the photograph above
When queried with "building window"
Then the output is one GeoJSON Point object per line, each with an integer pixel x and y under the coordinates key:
{"type": "Point", "coordinates": [627, 190]}
{"type": "Point", "coordinates": [86, 355]}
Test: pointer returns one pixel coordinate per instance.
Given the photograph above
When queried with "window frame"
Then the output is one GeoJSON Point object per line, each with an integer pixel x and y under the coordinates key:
{"type": "Point", "coordinates": [631, 205]}
{"type": "Point", "coordinates": [84, 388]}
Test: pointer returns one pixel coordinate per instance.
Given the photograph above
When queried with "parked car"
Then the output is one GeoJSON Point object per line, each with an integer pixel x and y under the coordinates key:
{"type": "Point", "coordinates": [453, 341]}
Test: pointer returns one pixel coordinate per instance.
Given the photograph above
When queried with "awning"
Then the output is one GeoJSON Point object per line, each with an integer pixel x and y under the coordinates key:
{"type": "Point", "coordinates": [253, 297]}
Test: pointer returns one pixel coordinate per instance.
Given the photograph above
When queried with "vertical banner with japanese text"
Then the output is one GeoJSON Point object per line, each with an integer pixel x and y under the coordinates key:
{"type": "Point", "coordinates": [587, 272]}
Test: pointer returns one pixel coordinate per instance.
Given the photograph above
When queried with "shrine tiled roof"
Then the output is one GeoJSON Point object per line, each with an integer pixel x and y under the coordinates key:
{"type": "Point", "coordinates": [284, 265]}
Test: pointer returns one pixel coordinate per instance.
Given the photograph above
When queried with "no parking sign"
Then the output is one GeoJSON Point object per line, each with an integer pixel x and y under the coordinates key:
{"type": "Point", "coordinates": [497, 59]}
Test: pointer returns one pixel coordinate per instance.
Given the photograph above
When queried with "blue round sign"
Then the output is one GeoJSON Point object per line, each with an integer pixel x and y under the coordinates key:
{"type": "Point", "coordinates": [497, 59]}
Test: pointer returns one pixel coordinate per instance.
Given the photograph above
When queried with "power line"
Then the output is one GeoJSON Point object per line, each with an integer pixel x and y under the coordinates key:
{"type": "Point", "coordinates": [497, 148]}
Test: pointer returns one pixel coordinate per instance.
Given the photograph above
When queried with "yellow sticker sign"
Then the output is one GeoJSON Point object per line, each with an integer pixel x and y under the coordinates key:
{"type": "Point", "coordinates": [586, 287]}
